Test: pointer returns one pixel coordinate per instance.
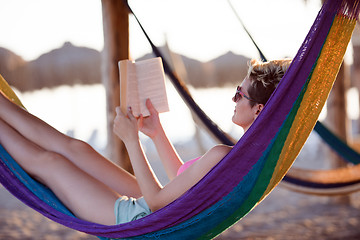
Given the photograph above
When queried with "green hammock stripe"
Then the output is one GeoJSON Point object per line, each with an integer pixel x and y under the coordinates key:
{"type": "Point", "coordinates": [271, 160]}
{"type": "Point", "coordinates": [272, 157]}
{"type": "Point", "coordinates": [266, 174]}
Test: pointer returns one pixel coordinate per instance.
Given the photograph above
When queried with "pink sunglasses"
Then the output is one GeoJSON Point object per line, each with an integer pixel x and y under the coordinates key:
{"type": "Point", "coordinates": [239, 94]}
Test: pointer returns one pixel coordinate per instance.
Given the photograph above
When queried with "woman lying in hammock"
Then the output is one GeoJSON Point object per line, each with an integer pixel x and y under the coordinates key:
{"type": "Point", "coordinates": [94, 188]}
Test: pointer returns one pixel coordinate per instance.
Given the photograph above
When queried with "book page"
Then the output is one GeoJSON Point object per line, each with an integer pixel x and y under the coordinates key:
{"type": "Point", "coordinates": [132, 96]}
{"type": "Point", "coordinates": [151, 84]}
{"type": "Point", "coordinates": [128, 87]}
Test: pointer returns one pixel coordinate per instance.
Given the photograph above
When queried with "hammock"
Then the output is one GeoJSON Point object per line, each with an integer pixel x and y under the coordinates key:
{"type": "Point", "coordinates": [340, 181]}
{"type": "Point", "coordinates": [251, 170]}
{"type": "Point", "coordinates": [332, 182]}
{"type": "Point", "coordinates": [336, 144]}
{"type": "Point", "coordinates": [328, 185]}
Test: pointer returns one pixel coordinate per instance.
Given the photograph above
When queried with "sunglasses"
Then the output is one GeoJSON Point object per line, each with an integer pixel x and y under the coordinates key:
{"type": "Point", "coordinates": [239, 94]}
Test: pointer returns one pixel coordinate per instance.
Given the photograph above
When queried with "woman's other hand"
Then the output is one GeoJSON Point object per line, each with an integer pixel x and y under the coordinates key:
{"type": "Point", "coordinates": [150, 125]}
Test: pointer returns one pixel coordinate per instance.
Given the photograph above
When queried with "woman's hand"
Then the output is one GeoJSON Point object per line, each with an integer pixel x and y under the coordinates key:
{"type": "Point", "coordinates": [150, 125]}
{"type": "Point", "coordinates": [126, 126]}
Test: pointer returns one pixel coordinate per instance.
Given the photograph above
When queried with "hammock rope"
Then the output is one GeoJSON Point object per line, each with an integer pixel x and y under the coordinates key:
{"type": "Point", "coordinates": [262, 56]}
{"type": "Point", "coordinates": [332, 182]}
{"type": "Point", "coordinates": [258, 161]}
{"type": "Point", "coordinates": [184, 92]}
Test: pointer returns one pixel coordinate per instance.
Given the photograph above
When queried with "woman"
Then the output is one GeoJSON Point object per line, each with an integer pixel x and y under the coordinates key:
{"type": "Point", "coordinates": [92, 187]}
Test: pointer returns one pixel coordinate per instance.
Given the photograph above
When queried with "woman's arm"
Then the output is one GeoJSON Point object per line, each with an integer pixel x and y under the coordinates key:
{"type": "Point", "coordinates": [155, 195]}
{"type": "Point", "coordinates": [151, 126]}
{"type": "Point", "coordinates": [126, 128]}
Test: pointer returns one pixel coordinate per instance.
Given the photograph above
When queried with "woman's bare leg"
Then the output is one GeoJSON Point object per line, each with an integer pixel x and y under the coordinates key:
{"type": "Point", "coordinates": [78, 152]}
{"type": "Point", "coordinates": [84, 195]}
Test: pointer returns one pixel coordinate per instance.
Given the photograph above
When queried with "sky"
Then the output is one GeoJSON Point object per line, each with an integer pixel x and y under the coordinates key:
{"type": "Point", "coordinates": [201, 29]}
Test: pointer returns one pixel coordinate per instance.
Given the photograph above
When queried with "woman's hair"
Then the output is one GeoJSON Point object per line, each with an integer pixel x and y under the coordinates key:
{"type": "Point", "coordinates": [264, 78]}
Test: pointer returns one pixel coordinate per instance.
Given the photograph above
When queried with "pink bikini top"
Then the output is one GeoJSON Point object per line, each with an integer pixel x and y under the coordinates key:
{"type": "Point", "coordinates": [186, 165]}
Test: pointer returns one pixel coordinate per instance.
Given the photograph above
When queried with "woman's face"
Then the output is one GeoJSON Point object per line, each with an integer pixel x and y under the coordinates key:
{"type": "Point", "coordinates": [244, 114]}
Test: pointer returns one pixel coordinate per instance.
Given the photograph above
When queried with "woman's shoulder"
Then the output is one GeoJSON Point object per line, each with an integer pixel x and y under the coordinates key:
{"type": "Point", "coordinates": [221, 150]}
{"type": "Point", "coordinates": [215, 154]}
{"type": "Point", "coordinates": [202, 165]}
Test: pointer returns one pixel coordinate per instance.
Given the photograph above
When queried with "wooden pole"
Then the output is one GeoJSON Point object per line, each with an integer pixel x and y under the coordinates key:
{"type": "Point", "coordinates": [355, 76]}
{"type": "Point", "coordinates": [116, 47]}
{"type": "Point", "coordinates": [337, 119]}
{"type": "Point", "coordinates": [336, 113]}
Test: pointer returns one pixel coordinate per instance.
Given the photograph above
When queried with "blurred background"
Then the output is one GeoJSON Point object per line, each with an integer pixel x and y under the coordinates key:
{"type": "Point", "coordinates": [45, 47]}
{"type": "Point", "coordinates": [51, 53]}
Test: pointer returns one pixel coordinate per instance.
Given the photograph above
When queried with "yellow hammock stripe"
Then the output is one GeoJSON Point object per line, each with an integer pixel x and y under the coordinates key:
{"type": "Point", "coordinates": [327, 67]}
{"type": "Point", "coordinates": [6, 89]}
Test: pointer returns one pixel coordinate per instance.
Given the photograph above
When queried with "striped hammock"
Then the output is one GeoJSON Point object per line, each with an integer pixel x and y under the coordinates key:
{"type": "Point", "coordinates": [251, 170]}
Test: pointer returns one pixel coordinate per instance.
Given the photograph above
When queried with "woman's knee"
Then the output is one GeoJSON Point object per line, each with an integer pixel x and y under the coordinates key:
{"type": "Point", "coordinates": [76, 146]}
{"type": "Point", "coordinates": [47, 164]}
{"type": "Point", "coordinates": [3, 126]}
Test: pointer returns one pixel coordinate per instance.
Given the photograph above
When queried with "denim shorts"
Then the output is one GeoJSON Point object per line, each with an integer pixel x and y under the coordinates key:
{"type": "Point", "coordinates": [128, 209]}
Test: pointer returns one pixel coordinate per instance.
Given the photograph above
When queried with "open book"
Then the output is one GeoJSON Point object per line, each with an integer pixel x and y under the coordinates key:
{"type": "Point", "coordinates": [142, 80]}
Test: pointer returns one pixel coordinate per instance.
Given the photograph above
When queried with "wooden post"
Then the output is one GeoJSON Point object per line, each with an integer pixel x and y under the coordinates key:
{"type": "Point", "coordinates": [116, 47]}
{"type": "Point", "coordinates": [337, 119]}
{"type": "Point", "coordinates": [355, 76]}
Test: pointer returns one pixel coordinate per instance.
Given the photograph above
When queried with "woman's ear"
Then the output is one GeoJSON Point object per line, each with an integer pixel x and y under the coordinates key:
{"type": "Point", "coordinates": [259, 108]}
